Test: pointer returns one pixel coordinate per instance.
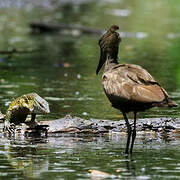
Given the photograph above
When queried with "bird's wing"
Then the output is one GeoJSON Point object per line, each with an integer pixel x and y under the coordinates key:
{"type": "Point", "coordinates": [132, 82]}
{"type": "Point", "coordinates": [134, 72]}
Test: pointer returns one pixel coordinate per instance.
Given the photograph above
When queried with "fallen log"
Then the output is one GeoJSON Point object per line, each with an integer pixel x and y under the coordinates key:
{"type": "Point", "coordinates": [43, 27]}
{"type": "Point", "coordinates": [75, 125]}
{"type": "Point", "coordinates": [70, 124]}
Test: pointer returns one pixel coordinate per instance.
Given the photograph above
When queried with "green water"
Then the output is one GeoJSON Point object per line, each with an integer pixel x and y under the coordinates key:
{"type": "Point", "coordinates": [63, 72]}
{"type": "Point", "coordinates": [71, 158]}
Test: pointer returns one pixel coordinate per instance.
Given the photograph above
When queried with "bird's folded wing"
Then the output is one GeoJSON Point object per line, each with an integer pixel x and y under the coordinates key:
{"type": "Point", "coordinates": [132, 82]}
{"type": "Point", "coordinates": [144, 87]}
{"type": "Point", "coordinates": [137, 93]}
{"type": "Point", "coordinates": [147, 93]}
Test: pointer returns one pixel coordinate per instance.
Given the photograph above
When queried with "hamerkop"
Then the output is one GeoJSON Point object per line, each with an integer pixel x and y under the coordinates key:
{"type": "Point", "coordinates": [128, 87]}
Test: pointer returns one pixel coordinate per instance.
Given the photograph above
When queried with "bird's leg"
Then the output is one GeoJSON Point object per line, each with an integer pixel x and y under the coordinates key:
{"type": "Point", "coordinates": [129, 129]}
{"type": "Point", "coordinates": [134, 133]}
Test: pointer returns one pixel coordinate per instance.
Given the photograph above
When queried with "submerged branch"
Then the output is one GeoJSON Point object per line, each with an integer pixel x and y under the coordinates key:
{"type": "Point", "coordinates": [40, 27]}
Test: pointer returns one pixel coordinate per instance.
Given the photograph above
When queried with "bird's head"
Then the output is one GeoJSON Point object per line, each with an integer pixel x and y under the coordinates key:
{"type": "Point", "coordinates": [114, 28]}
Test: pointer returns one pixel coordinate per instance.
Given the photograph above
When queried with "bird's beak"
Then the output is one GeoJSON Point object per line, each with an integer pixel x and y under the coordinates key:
{"type": "Point", "coordinates": [101, 62]}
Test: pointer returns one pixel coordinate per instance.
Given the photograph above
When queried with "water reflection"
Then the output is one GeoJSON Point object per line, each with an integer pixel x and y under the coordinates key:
{"type": "Point", "coordinates": [67, 156]}
{"type": "Point", "coordinates": [23, 159]}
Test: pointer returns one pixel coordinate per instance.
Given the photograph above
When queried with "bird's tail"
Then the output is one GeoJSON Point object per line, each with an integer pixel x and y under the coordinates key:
{"type": "Point", "coordinates": [171, 103]}
{"type": "Point", "coordinates": [167, 102]}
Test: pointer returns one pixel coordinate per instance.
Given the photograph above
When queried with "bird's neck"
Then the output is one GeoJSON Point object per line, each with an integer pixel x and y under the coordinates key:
{"type": "Point", "coordinates": [110, 63]}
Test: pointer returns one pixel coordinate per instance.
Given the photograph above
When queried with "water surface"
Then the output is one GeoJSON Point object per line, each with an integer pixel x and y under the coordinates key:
{"type": "Point", "coordinates": [63, 72]}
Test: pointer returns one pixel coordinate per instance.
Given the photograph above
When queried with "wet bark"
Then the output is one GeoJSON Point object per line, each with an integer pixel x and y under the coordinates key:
{"type": "Point", "coordinates": [96, 126]}
{"type": "Point", "coordinates": [76, 125]}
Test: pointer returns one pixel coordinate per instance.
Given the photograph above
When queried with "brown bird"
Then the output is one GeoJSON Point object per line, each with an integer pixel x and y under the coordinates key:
{"type": "Point", "coordinates": [129, 87]}
{"type": "Point", "coordinates": [109, 45]}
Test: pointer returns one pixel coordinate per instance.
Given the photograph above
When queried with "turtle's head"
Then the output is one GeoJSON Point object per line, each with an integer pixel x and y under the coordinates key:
{"type": "Point", "coordinates": [39, 105]}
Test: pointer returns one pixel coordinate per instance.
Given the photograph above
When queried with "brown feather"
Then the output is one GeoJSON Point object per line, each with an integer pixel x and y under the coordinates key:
{"type": "Point", "coordinates": [130, 87]}
{"type": "Point", "coordinates": [109, 43]}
